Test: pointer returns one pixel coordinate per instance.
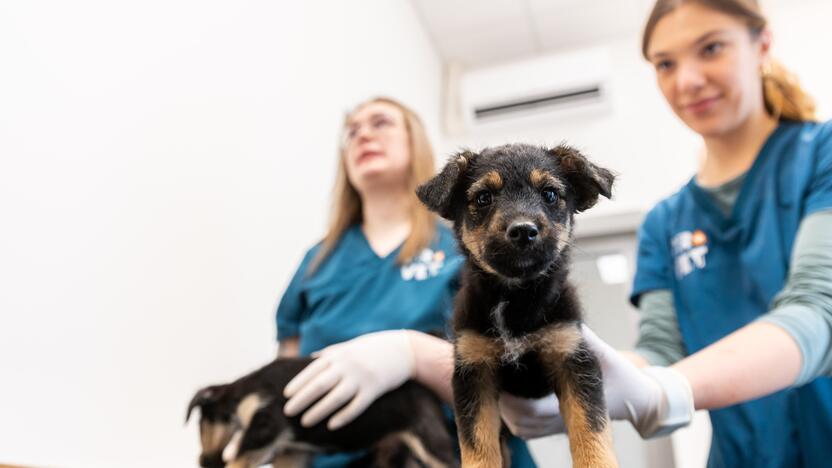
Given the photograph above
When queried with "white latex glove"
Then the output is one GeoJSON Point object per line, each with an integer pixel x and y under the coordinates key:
{"type": "Point", "coordinates": [357, 371]}
{"type": "Point", "coordinates": [656, 400]}
{"type": "Point", "coordinates": [530, 419]}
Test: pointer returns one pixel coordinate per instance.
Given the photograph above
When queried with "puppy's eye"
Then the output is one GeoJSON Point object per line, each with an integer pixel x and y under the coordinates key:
{"type": "Point", "coordinates": [483, 199]}
{"type": "Point", "coordinates": [549, 195]}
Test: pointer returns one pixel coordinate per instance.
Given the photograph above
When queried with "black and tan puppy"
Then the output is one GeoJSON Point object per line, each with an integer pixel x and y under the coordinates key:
{"type": "Point", "coordinates": [403, 428]}
{"type": "Point", "coordinates": [517, 318]}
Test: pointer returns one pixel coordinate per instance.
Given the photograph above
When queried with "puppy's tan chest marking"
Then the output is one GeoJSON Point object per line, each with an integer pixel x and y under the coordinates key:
{"type": "Point", "coordinates": [555, 341]}
{"type": "Point", "coordinates": [558, 341]}
{"type": "Point", "coordinates": [476, 349]}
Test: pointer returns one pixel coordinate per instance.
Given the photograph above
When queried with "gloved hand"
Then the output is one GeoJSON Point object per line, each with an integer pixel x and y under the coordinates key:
{"type": "Point", "coordinates": [530, 419]}
{"type": "Point", "coordinates": [357, 371]}
{"type": "Point", "coordinates": [656, 400]}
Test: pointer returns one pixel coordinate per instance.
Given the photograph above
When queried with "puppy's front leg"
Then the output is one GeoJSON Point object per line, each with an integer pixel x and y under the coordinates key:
{"type": "Point", "coordinates": [576, 376]}
{"type": "Point", "coordinates": [475, 401]}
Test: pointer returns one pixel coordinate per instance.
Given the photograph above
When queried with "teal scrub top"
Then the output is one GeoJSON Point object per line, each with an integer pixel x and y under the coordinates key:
{"type": "Point", "coordinates": [724, 271]}
{"type": "Point", "coordinates": [354, 292]}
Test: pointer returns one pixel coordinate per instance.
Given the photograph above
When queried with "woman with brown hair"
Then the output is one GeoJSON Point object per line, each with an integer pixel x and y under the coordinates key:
{"type": "Point", "coordinates": [734, 271]}
{"type": "Point", "coordinates": [384, 276]}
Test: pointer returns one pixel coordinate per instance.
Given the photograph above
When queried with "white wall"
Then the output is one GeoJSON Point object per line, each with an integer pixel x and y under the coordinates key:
{"type": "Point", "coordinates": [801, 37]}
{"type": "Point", "coordinates": [163, 166]}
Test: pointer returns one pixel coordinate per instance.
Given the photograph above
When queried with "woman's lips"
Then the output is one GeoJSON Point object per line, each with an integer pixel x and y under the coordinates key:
{"type": "Point", "coordinates": [367, 155]}
{"type": "Point", "coordinates": [703, 105]}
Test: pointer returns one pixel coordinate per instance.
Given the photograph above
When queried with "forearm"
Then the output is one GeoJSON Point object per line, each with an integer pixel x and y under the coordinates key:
{"type": "Point", "coordinates": [289, 347]}
{"type": "Point", "coordinates": [433, 364]}
{"type": "Point", "coordinates": [752, 362]}
{"type": "Point", "coordinates": [804, 306]}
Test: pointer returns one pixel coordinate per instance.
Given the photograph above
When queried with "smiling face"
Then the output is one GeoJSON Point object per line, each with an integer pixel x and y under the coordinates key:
{"type": "Point", "coordinates": [376, 147]}
{"type": "Point", "coordinates": [708, 67]}
{"type": "Point", "coordinates": [512, 205]}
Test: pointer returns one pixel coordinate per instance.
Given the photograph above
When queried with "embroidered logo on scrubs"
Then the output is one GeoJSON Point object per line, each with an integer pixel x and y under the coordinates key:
{"type": "Point", "coordinates": [425, 265]}
{"type": "Point", "coordinates": [689, 250]}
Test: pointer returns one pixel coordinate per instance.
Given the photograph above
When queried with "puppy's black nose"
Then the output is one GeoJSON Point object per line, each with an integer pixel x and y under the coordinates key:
{"type": "Point", "coordinates": [522, 233]}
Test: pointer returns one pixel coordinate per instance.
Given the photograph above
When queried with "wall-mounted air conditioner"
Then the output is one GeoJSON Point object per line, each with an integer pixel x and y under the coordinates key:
{"type": "Point", "coordinates": [568, 84]}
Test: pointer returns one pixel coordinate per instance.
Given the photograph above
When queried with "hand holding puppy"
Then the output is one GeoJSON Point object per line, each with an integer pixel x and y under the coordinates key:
{"type": "Point", "coordinates": [355, 373]}
{"type": "Point", "coordinates": [656, 400]}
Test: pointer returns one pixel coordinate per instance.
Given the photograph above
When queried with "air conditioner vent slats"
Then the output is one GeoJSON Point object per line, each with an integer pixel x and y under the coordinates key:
{"type": "Point", "coordinates": [547, 101]}
{"type": "Point", "coordinates": [568, 85]}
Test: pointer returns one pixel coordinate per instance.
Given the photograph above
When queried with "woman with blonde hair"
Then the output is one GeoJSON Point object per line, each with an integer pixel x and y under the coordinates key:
{"type": "Point", "coordinates": [367, 296]}
{"type": "Point", "coordinates": [734, 271]}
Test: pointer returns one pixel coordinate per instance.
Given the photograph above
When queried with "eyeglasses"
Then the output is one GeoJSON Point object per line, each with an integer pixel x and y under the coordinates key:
{"type": "Point", "coordinates": [376, 124]}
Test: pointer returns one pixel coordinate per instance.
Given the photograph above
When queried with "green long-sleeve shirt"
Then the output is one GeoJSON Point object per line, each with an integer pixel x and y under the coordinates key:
{"type": "Point", "coordinates": [803, 308]}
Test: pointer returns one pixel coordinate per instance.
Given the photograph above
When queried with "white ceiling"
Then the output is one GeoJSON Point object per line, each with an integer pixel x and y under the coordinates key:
{"type": "Point", "coordinates": [479, 32]}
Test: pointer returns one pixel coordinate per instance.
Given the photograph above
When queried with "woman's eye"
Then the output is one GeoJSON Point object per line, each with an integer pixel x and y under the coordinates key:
{"type": "Point", "coordinates": [664, 65]}
{"type": "Point", "coordinates": [483, 199]}
{"type": "Point", "coordinates": [712, 48]}
{"type": "Point", "coordinates": [549, 195]}
{"type": "Point", "coordinates": [381, 122]}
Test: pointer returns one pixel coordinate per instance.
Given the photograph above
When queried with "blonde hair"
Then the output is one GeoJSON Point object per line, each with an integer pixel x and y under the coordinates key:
{"type": "Point", "coordinates": [346, 208]}
{"type": "Point", "coordinates": [782, 94]}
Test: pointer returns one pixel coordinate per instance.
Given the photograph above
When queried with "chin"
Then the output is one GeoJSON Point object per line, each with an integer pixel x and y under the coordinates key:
{"type": "Point", "coordinates": [710, 126]}
{"type": "Point", "coordinates": [377, 180]}
{"type": "Point", "coordinates": [521, 269]}
{"type": "Point", "coordinates": [714, 124]}
{"type": "Point", "coordinates": [369, 174]}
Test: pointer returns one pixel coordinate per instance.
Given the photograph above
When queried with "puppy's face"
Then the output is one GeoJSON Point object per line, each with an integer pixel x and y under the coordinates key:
{"type": "Point", "coordinates": [217, 423]}
{"type": "Point", "coordinates": [222, 416]}
{"type": "Point", "coordinates": [512, 206]}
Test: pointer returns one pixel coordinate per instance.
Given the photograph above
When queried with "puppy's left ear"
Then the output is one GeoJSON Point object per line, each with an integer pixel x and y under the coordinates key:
{"type": "Point", "coordinates": [438, 193]}
{"type": "Point", "coordinates": [587, 180]}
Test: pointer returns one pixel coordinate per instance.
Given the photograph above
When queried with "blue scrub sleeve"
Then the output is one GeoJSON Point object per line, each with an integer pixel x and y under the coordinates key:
{"type": "Point", "coordinates": [653, 260]}
{"type": "Point", "coordinates": [293, 303]}
{"type": "Point", "coordinates": [819, 196]}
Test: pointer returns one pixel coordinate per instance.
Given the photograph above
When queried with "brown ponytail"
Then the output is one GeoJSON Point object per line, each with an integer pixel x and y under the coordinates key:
{"type": "Point", "coordinates": [783, 95]}
{"type": "Point", "coordinates": [784, 98]}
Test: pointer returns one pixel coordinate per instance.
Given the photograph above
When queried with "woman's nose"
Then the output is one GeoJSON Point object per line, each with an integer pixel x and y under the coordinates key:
{"type": "Point", "coordinates": [363, 133]}
{"type": "Point", "coordinates": [689, 77]}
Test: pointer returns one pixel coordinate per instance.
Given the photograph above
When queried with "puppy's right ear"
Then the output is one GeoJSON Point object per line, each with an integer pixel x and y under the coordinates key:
{"type": "Point", "coordinates": [202, 397]}
{"type": "Point", "coordinates": [438, 193]}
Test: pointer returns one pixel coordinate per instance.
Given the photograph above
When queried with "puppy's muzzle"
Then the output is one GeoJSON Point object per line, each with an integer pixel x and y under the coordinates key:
{"type": "Point", "coordinates": [213, 460]}
{"type": "Point", "coordinates": [522, 234]}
